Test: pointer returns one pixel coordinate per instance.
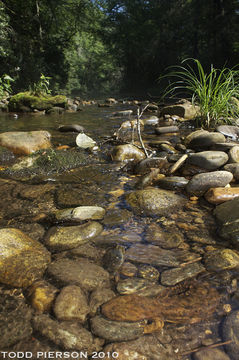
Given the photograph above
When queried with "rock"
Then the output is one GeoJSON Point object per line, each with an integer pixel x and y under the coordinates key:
{"type": "Point", "coordinates": [154, 255]}
{"type": "Point", "coordinates": [25, 142]}
{"type": "Point", "coordinates": [210, 160]}
{"type": "Point", "coordinates": [172, 182]}
{"type": "Point", "coordinates": [229, 130]}
{"type": "Point", "coordinates": [220, 195]}
{"type": "Point", "coordinates": [185, 110]}
{"type": "Point", "coordinates": [127, 152]}
{"type": "Point", "coordinates": [148, 272]}
{"type": "Point", "coordinates": [144, 166]}
{"type": "Point", "coordinates": [230, 331]}
{"type": "Point", "coordinates": [234, 154]}
{"type": "Point", "coordinates": [200, 183]}
{"type": "Point", "coordinates": [150, 120]}
{"type": "Point", "coordinates": [116, 330]}
{"type": "Point", "coordinates": [210, 354]}
{"type": "Point", "coordinates": [69, 336]}
{"type": "Point", "coordinates": [36, 102]}
{"type": "Point", "coordinates": [88, 251]}
{"type": "Point", "coordinates": [15, 319]}
{"type": "Point", "coordinates": [174, 276]}
{"type": "Point", "coordinates": [217, 260]}
{"type": "Point", "coordinates": [41, 295]}
{"type": "Point", "coordinates": [85, 142]}
{"type": "Point", "coordinates": [166, 129]}
{"type": "Point", "coordinates": [163, 238]}
{"type": "Point", "coordinates": [144, 348]}
{"type": "Point", "coordinates": [128, 131]}
{"type": "Point", "coordinates": [98, 297]}
{"type": "Point", "coordinates": [55, 110]}
{"type": "Point", "coordinates": [123, 113]}
{"type": "Point", "coordinates": [227, 215]}
{"type": "Point", "coordinates": [78, 272]}
{"type": "Point", "coordinates": [60, 238]}
{"type": "Point", "coordinates": [132, 285]}
{"type": "Point", "coordinates": [23, 260]}
{"type": "Point", "coordinates": [71, 304]}
{"type": "Point", "coordinates": [111, 101]}
{"type": "Point", "coordinates": [80, 213]}
{"type": "Point", "coordinates": [115, 216]}
{"type": "Point", "coordinates": [71, 128]}
{"type": "Point", "coordinates": [128, 269]}
{"type": "Point", "coordinates": [202, 139]}
{"type": "Point", "coordinates": [234, 169]}
{"type": "Point", "coordinates": [154, 202]}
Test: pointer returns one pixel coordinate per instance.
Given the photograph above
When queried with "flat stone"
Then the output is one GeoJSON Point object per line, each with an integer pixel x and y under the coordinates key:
{"type": "Point", "coordinates": [69, 336]}
{"type": "Point", "coordinates": [25, 142]}
{"type": "Point", "coordinates": [166, 129]}
{"type": "Point", "coordinates": [71, 304]}
{"type": "Point", "coordinates": [152, 201]}
{"type": "Point", "coordinates": [210, 160]}
{"type": "Point", "coordinates": [221, 194]}
{"type": "Point", "coordinates": [172, 182]}
{"type": "Point", "coordinates": [200, 183]}
{"type": "Point", "coordinates": [80, 272]}
{"type": "Point", "coordinates": [132, 285]}
{"type": "Point", "coordinates": [23, 260]}
{"type": "Point", "coordinates": [202, 139]}
{"type": "Point", "coordinates": [174, 276]}
{"type": "Point", "coordinates": [60, 238]}
{"type": "Point", "coordinates": [116, 330]}
{"type": "Point", "coordinates": [80, 213]}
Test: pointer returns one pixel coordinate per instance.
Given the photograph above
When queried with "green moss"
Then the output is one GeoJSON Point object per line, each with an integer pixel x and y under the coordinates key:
{"type": "Point", "coordinates": [43, 102]}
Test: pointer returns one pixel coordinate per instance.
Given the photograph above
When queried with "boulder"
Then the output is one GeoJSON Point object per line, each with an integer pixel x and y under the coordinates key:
{"type": "Point", "coordinates": [154, 202]}
{"type": "Point", "coordinates": [23, 260]}
{"type": "Point", "coordinates": [202, 139]}
{"type": "Point", "coordinates": [43, 102]}
{"type": "Point", "coordinates": [25, 142]}
{"type": "Point", "coordinates": [200, 183]}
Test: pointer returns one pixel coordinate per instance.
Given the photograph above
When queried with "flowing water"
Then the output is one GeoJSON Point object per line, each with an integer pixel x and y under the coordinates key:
{"type": "Point", "coordinates": [189, 232]}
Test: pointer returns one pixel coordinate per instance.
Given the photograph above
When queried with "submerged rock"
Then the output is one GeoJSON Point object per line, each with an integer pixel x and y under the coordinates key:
{"type": "Point", "coordinates": [98, 297]}
{"type": "Point", "coordinates": [25, 142]}
{"type": "Point", "coordinates": [225, 259]}
{"type": "Point", "coordinates": [80, 213]}
{"type": "Point", "coordinates": [230, 331]}
{"type": "Point", "coordinates": [23, 260]}
{"type": "Point", "coordinates": [69, 336]}
{"type": "Point", "coordinates": [69, 237]}
{"type": "Point", "coordinates": [80, 272]}
{"type": "Point", "coordinates": [173, 276]}
{"type": "Point", "coordinates": [154, 202]}
{"type": "Point", "coordinates": [41, 295]}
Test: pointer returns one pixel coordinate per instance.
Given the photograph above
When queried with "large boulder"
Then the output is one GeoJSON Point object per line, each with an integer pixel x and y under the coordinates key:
{"type": "Point", "coordinates": [154, 202]}
{"type": "Point", "coordinates": [23, 260]}
{"type": "Point", "coordinates": [25, 142]}
{"type": "Point", "coordinates": [27, 100]}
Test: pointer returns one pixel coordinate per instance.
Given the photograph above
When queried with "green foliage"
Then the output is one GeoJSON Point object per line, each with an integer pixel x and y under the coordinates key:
{"type": "Point", "coordinates": [41, 87]}
{"type": "Point", "coordinates": [42, 102]}
{"type": "Point", "coordinates": [5, 85]}
{"type": "Point", "coordinates": [213, 92]}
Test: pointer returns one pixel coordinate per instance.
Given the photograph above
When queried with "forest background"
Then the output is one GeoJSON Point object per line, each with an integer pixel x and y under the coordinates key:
{"type": "Point", "coordinates": [100, 47]}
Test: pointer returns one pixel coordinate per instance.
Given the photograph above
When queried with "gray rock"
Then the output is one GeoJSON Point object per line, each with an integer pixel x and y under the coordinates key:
{"type": "Point", "coordinates": [229, 130]}
{"type": "Point", "coordinates": [69, 336]}
{"type": "Point", "coordinates": [166, 129]}
{"type": "Point", "coordinates": [65, 238]}
{"type": "Point", "coordinates": [210, 354]}
{"type": "Point", "coordinates": [116, 330]}
{"type": "Point", "coordinates": [23, 260]}
{"type": "Point", "coordinates": [210, 160]}
{"type": "Point", "coordinates": [200, 183]}
{"type": "Point", "coordinates": [234, 154]}
{"type": "Point", "coordinates": [234, 169]}
{"type": "Point", "coordinates": [227, 215]}
{"type": "Point", "coordinates": [151, 201]}
{"type": "Point", "coordinates": [78, 272]}
{"type": "Point", "coordinates": [230, 331]}
{"type": "Point", "coordinates": [80, 213]}
{"type": "Point", "coordinates": [174, 276]}
{"type": "Point", "coordinates": [71, 128]}
{"type": "Point", "coordinates": [172, 182]}
{"type": "Point", "coordinates": [202, 139]}
{"type": "Point", "coordinates": [71, 304]}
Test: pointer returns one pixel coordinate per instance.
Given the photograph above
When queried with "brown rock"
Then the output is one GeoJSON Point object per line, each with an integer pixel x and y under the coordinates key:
{"type": "Point", "coordinates": [221, 194]}
{"type": "Point", "coordinates": [41, 295]}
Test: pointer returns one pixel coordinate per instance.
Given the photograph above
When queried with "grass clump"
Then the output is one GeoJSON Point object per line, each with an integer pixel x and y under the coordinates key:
{"type": "Point", "coordinates": [214, 93]}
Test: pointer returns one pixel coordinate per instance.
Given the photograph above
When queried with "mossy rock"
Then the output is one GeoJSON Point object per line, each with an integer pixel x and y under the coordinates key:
{"type": "Point", "coordinates": [42, 102]}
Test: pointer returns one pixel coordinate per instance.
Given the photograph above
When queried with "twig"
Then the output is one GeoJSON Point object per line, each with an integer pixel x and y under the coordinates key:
{"type": "Point", "coordinates": [213, 346]}
{"type": "Point", "coordinates": [138, 130]}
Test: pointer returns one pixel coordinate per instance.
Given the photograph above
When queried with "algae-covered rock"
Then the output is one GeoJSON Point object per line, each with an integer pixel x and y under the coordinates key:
{"type": "Point", "coordinates": [23, 260]}
{"type": "Point", "coordinates": [42, 102]}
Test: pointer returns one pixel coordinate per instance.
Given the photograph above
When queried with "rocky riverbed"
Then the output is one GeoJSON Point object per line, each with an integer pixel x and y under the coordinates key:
{"type": "Point", "coordinates": [109, 250]}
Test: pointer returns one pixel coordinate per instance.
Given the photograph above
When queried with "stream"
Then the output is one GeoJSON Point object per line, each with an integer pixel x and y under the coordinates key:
{"type": "Point", "coordinates": [173, 302]}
